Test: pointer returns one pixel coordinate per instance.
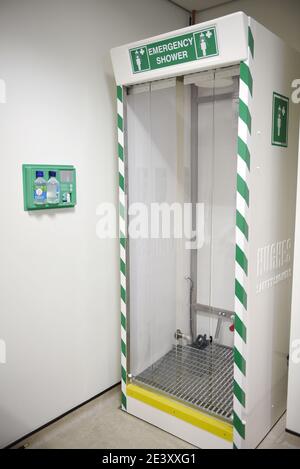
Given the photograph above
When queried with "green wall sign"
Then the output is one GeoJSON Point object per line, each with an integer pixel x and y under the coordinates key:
{"type": "Point", "coordinates": [280, 125]}
{"type": "Point", "coordinates": [175, 50]}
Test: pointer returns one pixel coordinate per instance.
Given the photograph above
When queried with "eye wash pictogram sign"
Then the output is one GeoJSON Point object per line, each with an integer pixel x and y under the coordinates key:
{"type": "Point", "coordinates": [280, 125]}
{"type": "Point", "coordinates": [175, 50]}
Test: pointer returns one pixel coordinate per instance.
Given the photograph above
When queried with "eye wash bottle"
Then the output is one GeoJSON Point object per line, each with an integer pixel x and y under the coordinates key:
{"type": "Point", "coordinates": [40, 189]}
{"type": "Point", "coordinates": [53, 189]}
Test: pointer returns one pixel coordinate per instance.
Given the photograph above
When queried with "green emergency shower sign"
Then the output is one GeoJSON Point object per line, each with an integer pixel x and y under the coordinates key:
{"type": "Point", "coordinates": [280, 120]}
{"type": "Point", "coordinates": [175, 50]}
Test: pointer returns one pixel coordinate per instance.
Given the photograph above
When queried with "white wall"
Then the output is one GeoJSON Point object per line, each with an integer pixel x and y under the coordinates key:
{"type": "Point", "coordinates": [281, 17]}
{"type": "Point", "coordinates": [59, 284]}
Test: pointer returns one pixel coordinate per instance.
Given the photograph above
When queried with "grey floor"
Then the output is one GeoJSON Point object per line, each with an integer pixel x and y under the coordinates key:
{"type": "Point", "coordinates": [101, 424]}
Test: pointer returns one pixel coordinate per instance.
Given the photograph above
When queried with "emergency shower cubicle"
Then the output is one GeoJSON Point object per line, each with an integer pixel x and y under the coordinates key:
{"type": "Point", "coordinates": [207, 149]}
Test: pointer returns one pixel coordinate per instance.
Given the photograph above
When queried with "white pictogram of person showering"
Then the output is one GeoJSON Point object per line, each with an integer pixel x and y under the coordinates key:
{"type": "Point", "coordinates": [138, 58]}
{"type": "Point", "coordinates": [203, 43]}
{"type": "Point", "coordinates": [280, 116]}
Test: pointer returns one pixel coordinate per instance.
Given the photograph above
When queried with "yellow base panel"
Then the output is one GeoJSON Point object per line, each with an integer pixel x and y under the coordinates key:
{"type": "Point", "coordinates": [195, 417]}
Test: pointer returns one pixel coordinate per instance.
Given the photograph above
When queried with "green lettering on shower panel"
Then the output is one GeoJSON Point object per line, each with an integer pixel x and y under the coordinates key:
{"type": "Point", "coordinates": [176, 50]}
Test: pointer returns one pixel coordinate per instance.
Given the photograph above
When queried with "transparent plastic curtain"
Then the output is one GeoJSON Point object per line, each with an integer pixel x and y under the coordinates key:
{"type": "Point", "coordinates": [181, 143]}
{"type": "Point", "coordinates": [152, 178]}
{"type": "Point", "coordinates": [217, 146]}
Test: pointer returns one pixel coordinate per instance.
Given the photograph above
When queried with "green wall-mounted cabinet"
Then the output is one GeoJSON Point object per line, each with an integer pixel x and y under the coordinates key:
{"type": "Point", "coordinates": [36, 189]}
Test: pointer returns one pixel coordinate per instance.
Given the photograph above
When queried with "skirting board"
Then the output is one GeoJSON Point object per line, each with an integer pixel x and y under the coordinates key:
{"type": "Point", "coordinates": [187, 432]}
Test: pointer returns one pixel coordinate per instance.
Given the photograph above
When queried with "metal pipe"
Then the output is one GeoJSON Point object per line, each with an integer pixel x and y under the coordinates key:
{"type": "Point", "coordinates": [191, 306]}
{"type": "Point", "coordinates": [193, 17]}
{"type": "Point", "coordinates": [224, 313]}
{"type": "Point", "coordinates": [218, 328]}
{"type": "Point", "coordinates": [181, 336]}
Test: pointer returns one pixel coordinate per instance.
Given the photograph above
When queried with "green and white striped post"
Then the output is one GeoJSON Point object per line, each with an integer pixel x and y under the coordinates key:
{"type": "Point", "coordinates": [242, 239]}
{"type": "Point", "coordinates": [122, 238]}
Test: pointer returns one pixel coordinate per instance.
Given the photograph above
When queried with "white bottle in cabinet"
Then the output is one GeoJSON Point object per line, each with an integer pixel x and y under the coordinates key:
{"type": "Point", "coordinates": [53, 189]}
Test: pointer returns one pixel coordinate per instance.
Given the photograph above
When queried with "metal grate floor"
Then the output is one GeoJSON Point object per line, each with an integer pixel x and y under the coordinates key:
{"type": "Point", "coordinates": [202, 378]}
